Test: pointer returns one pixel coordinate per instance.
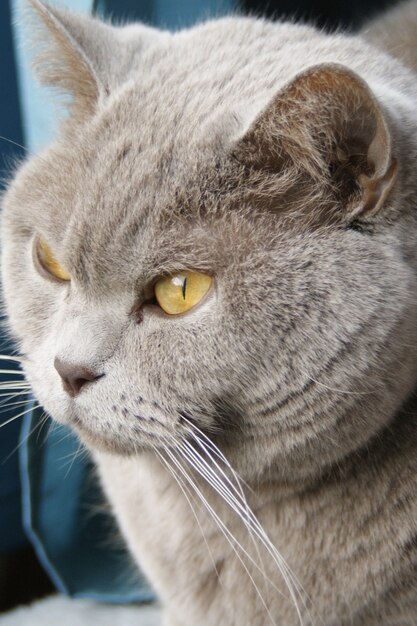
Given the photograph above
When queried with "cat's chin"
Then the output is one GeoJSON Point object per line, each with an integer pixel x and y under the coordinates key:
{"type": "Point", "coordinates": [109, 443]}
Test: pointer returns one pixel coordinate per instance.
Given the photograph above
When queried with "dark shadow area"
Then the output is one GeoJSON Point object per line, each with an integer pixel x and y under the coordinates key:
{"type": "Point", "coordinates": [22, 579]}
{"type": "Point", "coordinates": [329, 14]}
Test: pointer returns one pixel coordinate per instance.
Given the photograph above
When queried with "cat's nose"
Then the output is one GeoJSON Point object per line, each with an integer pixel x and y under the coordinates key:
{"type": "Point", "coordinates": [74, 376]}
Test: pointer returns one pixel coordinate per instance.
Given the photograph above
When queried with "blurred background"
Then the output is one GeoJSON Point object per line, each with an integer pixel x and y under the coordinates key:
{"type": "Point", "coordinates": [27, 123]}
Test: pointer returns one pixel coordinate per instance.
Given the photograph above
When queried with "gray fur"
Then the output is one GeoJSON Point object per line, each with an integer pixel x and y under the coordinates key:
{"type": "Point", "coordinates": [215, 149]}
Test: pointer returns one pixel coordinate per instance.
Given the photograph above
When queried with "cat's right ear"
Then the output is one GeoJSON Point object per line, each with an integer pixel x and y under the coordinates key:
{"type": "Point", "coordinates": [81, 55]}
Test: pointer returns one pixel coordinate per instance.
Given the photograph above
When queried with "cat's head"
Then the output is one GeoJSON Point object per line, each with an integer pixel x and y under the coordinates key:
{"type": "Point", "coordinates": [198, 172]}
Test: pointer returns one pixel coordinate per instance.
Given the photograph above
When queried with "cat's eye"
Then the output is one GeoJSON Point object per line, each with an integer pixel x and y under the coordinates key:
{"type": "Point", "coordinates": [47, 263]}
{"type": "Point", "coordinates": [181, 292]}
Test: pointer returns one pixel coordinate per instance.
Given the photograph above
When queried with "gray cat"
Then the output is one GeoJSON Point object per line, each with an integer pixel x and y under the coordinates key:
{"type": "Point", "coordinates": [211, 275]}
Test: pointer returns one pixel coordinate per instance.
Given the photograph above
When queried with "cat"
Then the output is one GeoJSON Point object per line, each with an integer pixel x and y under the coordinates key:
{"type": "Point", "coordinates": [211, 275]}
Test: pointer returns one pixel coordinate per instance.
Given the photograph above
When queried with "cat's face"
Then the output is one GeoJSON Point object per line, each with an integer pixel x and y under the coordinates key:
{"type": "Point", "coordinates": [299, 327]}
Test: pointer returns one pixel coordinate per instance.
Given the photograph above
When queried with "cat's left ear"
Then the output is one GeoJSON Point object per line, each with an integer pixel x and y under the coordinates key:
{"type": "Point", "coordinates": [328, 123]}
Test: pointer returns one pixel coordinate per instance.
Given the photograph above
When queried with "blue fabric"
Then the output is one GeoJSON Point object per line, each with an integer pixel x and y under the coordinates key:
{"type": "Point", "coordinates": [12, 536]}
{"type": "Point", "coordinates": [77, 544]}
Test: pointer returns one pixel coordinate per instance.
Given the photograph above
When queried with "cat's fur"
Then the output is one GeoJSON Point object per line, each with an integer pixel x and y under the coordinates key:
{"type": "Point", "coordinates": [282, 161]}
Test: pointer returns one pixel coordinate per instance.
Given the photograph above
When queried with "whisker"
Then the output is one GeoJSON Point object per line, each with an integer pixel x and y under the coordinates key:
{"type": "Point", "coordinates": [10, 396]}
{"type": "Point", "coordinates": [206, 472]}
{"type": "Point", "coordinates": [44, 420]}
{"type": "Point", "coordinates": [238, 490]}
{"type": "Point", "coordinates": [10, 357]}
{"type": "Point", "coordinates": [41, 422]}
{"type": "Point", "coordinates": [216, 451]}
{"type": "Point", "coordinates": [75, 455]}
{"type": "Point", "coordinates": [15, 417]}
{"type": "Point", "coordinates": [187, 495]}
{"type": "Point", "coordinates": [5, 406]}
{"type": "Point", "coordinates": [250, 521]}
{"type": "Point", "coordinates": [226, 532]}
{"type": "Point", "coordinates": [4, 384]}
{"type": "Point", "coordinates": [14, 143]}
{"type": "Point", "coordinates": [80, 451]}
{"type": "Point", "coordinates": [67, 435]}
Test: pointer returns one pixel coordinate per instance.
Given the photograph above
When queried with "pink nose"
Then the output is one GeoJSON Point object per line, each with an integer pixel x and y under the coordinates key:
{"type": "Point", "coordinates": [74, 376]}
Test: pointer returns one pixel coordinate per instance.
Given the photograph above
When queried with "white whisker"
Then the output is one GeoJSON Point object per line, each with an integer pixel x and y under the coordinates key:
{"type": "Point", "coordinates": [75, 455]}
{"type": "Point", "coordinates": [280, 561]}
{"type": "Point", "coordinates": [251, 521]}
{"type": "Point", "coordinates": [5, 384]}
{"type": "Point", "coordinates": [6, 403]}
{"type": "Point", "coordinates": [202, 439]}
{"type": "Point", "coordinates": [238, 490]}
{"type": "Point", "coordinates": [187, 495]}
{"type": "Point", "coordinates": [15, 417]}
{"type": "Point", "coordinates": [253, 525]}
{"type": "Point", "coordinates": [10, 357]}
{"type": "Point", "coordinates": [226, 532]}
{"type": "Point", "coordinates": [11, 396]}
{"type": "Point", "coordinates": [41, 422]}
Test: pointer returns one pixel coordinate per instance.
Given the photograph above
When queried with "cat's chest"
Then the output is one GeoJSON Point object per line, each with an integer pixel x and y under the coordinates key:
{"type": "Point", "coordinates": [197, 555]}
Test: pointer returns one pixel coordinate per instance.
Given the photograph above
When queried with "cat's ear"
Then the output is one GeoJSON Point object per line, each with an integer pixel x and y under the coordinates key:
{"type": "Point", "coordinates": [328, 122]}
{"type": "Point", "coordinates": [78, 57]}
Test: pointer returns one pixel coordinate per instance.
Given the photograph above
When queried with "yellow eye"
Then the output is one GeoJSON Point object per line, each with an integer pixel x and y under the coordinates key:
{"type": "Point", "coordinates": [179, 293]}
{"type": "Point", "coordinates": [47, 261]}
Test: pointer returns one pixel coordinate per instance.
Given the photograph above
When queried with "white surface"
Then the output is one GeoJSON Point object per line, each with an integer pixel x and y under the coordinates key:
{"type": "Point", "coordinates": [62, 611]}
